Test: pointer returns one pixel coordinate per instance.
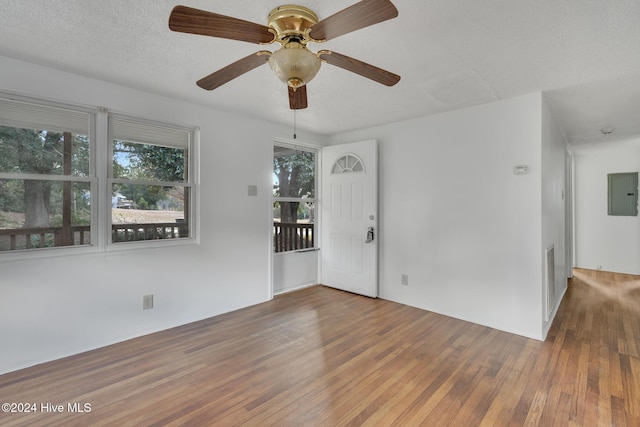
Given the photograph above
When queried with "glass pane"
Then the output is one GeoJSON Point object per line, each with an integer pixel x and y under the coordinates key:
{"type": "Point", "coordinates": [149, 212]}
{"type": "Point", "coordinates": [39, 214]}
{"type": "Point", "coordinates": [293, 177]}
{"type": "Point", "coordinates": [293, 173]}
{"type": "Point", "coordinates": [350, 162]}
{"type": "Point", "coordinates": [43, 152]}
{"type": "Point", "coordinates": [357, 167]}
{"type": "Point", "coordinates": [347, 164]}
{"type": "Point", "coordinates": [293, 235]}
{"type": "Point", "coordinates": [302, 211]}
{"type": "Point", "coordinates": [134, 160]}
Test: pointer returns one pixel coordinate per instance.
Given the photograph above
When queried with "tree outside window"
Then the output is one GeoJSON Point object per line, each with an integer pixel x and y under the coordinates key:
{"type": "Point", "coordinates": [294, 172]}
{"type": "Point", "coordinates": [45, 178]}
{"type": "Point", "coordinates": [150, 181]}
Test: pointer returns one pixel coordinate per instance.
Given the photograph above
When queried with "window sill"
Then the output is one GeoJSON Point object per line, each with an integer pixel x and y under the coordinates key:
{"type": "Point", "coordinates": [112, 249]}
{"type": "Point", "coordinates": [149, 244]}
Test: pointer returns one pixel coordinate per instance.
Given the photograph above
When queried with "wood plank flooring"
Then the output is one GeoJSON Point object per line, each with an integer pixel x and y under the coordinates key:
{"type": "Point", "coordinates": [322, 357]}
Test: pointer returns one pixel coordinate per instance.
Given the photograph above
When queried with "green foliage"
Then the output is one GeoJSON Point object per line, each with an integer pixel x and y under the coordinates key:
{"type": "Point", "coordinates": [80, 155]}
{"type": "Point", "coordinates": [142, 203]}
{"type": "Point", "coordinates": [295, 175]}
{"type": "Point", "coordinates": [138, 161]}
{"type": "Point", "coordinates": [304, 211]}
{"type": "Point", "coordinates": [27, 150]}
{"type": "Point", "coordinates": [32, 151]}
{"type": "Point", "coordinates": [11, 195]}
{"type": "Point", "coordinates": [144, 196]}
{"type": "Point", "coordinates": [145, 161]}
{"type": "Point", "coordinates": [10, 221]}
{"type": "Point", "coordinates": [41, 152]}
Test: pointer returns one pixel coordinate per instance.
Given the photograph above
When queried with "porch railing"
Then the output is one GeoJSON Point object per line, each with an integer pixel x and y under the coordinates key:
{"type": "Point", "coordinates": [133, 232]}
{"type": "Point", "coordinates": [41, 237]}
{"type": "Point", "coordinates": [288, 236]}
{"type": "Point", "coordinates": [29, 238]}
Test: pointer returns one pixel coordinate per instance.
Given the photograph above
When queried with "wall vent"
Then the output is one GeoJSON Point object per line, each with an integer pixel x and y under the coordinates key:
{"type": "Point", "coordinates": [551, 281]}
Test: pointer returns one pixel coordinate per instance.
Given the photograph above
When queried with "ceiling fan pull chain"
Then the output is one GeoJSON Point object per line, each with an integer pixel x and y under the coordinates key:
{"type": "Point", "coordinates": [294, 124]}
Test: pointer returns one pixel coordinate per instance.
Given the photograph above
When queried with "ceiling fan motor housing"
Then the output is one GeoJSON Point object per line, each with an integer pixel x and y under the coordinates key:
{"type": "Point", "coordinates": [294, 64]}
{"type": "Point", "coordinates": [292, 21]}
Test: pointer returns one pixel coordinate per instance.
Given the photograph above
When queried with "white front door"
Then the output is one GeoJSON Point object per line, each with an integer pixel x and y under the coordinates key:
{"type": "Point", "coordinates": [349, 203]}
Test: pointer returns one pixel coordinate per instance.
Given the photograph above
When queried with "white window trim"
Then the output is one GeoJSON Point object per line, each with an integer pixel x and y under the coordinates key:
{"type": "Point", "coordinates": [192, 147]}
{"type": "Point", "coordinates": [100, 164]}
{"type": "Point", "coordinates": [312, 148]}
{"type": "Point", "coordinates": [6, 256]}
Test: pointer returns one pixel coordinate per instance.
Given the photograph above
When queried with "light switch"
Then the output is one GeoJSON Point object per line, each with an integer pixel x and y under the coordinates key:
{"type": "Point", "coordinates": [520, 169]}
{"type": "Point", "coordinates": [252, 190]}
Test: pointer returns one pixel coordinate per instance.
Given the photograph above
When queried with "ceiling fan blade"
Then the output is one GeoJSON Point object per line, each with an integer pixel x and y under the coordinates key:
{"type": "Point", "coordinates": [298, 98]}
{"type": "Point", "coordinates": [355, 17]}
{"type": "Point", "coordinates": [369, 71]}
{"type": "Point", "coordinates": [195, 21]}
{"type": "Point", "coordinates": [234, 70]}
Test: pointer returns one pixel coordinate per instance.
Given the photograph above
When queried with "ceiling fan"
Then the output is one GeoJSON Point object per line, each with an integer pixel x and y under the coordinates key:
{"type": "Point", "coordinates": [293, 27]}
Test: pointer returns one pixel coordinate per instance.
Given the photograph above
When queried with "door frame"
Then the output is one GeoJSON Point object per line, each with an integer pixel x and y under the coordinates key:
{"type": "Point", "coordinates": [307, 146]}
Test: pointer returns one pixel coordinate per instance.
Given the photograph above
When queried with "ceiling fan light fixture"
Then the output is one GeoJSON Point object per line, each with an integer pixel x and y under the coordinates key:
{"type": "Point", "coordinates": [294, 64]}
{"type": "Point", "coordinates": [293, 27]}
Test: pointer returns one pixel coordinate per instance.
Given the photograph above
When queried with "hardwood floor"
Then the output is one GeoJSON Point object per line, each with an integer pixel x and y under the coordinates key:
{"type": "Point", "coordinates": [322, 357]}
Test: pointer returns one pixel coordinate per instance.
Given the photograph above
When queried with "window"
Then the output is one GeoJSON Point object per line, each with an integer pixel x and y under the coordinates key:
{"type": "Point", "coordinates": [150, 185]}
{"type": "Point", "coordinates": [45, 176]}
{"type": "Point", "coordinates": [294, 182]}
{"type": "Point", "coordinates": [347, 164]}
{"type": "Point", "coordinates": [54, 184]}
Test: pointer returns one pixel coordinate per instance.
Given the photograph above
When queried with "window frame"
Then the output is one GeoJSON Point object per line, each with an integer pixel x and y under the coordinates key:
{"type": "Point", "coordinates": [91, 178]}
{"type": "Point", "coordinates": [188, 183]}
{"type": "Point", "coordinates": [309, 148]}
{"type": "Point", "coordinates": [100, 179]}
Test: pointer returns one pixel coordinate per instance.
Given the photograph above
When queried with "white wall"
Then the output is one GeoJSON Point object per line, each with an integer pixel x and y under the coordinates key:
{"type": "Point", "coordinates": [554, 191]}
{"type": "Point", "coordinates": [455, 218]}
{"type": "Point", "coordinates": [294, 270]}
{"type": "Point", "coordinates": [610, 243]}
{"type": "Point", "coordinates": [57, 306]}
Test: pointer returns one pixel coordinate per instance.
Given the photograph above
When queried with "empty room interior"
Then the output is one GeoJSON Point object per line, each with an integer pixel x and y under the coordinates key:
{"type": "Point", "coordinates": [322, 214]}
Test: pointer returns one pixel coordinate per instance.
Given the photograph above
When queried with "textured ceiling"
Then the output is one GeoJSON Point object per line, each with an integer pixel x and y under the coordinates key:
{"type": "Point", "coordinates": [585, 54]}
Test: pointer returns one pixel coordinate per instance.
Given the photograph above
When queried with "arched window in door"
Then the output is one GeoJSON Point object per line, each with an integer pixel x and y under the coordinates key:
{"type": "Point", "coordinates": [348, 163]}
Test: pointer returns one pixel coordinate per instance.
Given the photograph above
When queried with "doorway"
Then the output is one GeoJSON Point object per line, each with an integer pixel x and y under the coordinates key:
{"type": "Point", "coordinates": [294, 232]}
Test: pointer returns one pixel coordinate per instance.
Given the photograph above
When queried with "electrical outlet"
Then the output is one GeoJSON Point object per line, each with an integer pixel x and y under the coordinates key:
{"type": "Point", "coordinates": [147, 302]}
{"type": "Point", "coordinates": [404, 280]}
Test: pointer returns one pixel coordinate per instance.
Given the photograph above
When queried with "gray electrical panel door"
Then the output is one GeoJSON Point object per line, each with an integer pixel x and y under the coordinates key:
{"type": "Point", "coordinates": [623, 194]}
